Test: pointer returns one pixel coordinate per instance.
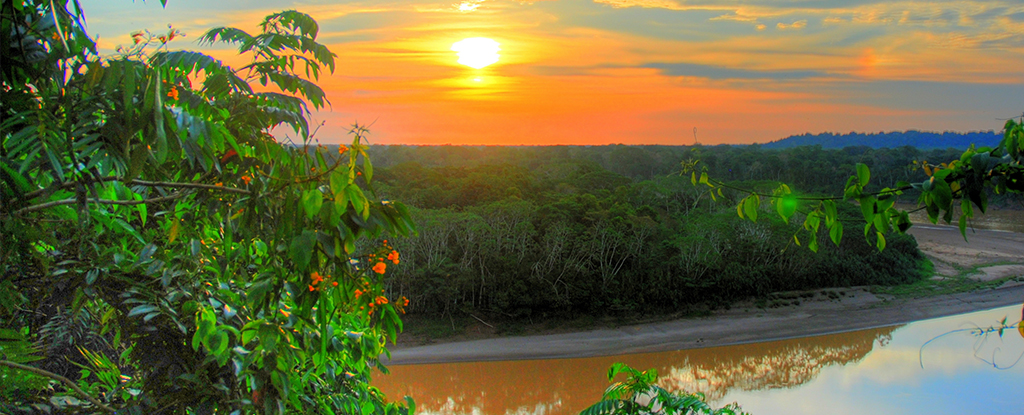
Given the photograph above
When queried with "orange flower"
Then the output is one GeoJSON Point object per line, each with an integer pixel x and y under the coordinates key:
{"type": "Point", "coordinates": [393, 256]}
{"type": "Point", "coordinates": [55, 36]}
{"type": "Point", "coordinates": [358, 292]}
{"type": "Point", "coordinates": [173, 93]}
{"type": "Point", "coordinates": [246, 179]}
{"type": "Point", "coordinates": [334, 283]}
{"type": "Point", "coordinates": [380, 267]}
{"type": "Point", "coordinates": [316, 278]}
{"type": "Point", "coordinates": [381, 300]}
{"type": "Point", "coordinates": [342, 149]}
{"type": "Point", "coordinates": [163, 39]}
{"type": "Point", "coordinates": [311, 288]}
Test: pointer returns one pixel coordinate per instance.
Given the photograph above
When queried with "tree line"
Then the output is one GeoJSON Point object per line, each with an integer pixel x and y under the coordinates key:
{"type": "Point", "coordinates": [529, 232]}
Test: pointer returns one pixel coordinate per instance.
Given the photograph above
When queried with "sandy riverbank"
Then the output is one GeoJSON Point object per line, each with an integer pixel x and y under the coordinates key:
{"type": "Point", "coordinates": [844, 310]}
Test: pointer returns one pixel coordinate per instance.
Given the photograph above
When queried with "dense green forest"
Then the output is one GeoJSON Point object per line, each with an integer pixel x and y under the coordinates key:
{"type": "Point", "coordinates": [920, 139]}
{"type": "Point", "coordinates": [563, 231]}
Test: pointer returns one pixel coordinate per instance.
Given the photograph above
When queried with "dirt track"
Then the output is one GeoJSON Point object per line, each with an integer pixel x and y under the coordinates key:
{"type": "Point", "coordinates": [856, 309]}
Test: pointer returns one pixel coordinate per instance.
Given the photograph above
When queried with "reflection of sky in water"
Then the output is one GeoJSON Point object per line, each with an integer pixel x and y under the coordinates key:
{"type": "Point", "coordinates": [890, 380]}
{"type": "Point", "coordinates": [865, 372]}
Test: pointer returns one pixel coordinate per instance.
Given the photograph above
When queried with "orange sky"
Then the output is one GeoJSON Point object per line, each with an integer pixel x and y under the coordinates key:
{"type": "Point", "coordinates": [637, 71]}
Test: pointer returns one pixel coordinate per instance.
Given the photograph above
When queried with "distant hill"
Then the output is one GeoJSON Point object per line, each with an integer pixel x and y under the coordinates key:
{"type": "Point", "coordinates": [920, 139]}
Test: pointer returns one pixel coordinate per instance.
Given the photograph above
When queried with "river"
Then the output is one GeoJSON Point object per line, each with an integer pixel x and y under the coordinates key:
{"type": "Point", "coordinates": [877, 371]}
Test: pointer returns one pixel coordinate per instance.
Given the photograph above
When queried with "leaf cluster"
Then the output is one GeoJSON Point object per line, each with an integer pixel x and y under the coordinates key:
{"type": "Point", "coordinates": [967, 180]}
{"type": "Point", "coordinates": [222, 271]}
{"type": "Point", "coordinates": [640, 394]}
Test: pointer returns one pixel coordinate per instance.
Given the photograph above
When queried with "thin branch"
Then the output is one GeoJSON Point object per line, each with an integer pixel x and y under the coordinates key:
{"type": "Point", "coordinates": [886, 192]}
{"type": "Point", "coordinates": [61, 379]}
{"type": "Point", "coordinates": [46, 205]}
{"type": "Point", "coordinates": [189, 186]}
{"type": "Point", "coordinates": [65, 185]}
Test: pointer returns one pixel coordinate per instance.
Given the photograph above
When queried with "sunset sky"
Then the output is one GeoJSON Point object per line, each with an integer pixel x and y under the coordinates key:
{"type": "Point", "coordinates": [635, 71]}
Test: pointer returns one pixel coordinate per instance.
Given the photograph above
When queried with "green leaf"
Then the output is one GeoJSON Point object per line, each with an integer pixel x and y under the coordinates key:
{"type": "Point", "coordinates": [812, 222]}
{"type": "Point", "coordinates": [359, 201]}
{"type": "Point", "coordinates": [881, 241]}
{"type": "Point", "coordinates": [341, 200]}
{"type": "Point", "coordinates": [216, 342]}
{"type": "Point", "coordinates": [867, 207]}
{"type": "Point", "coordinates": [301, 249]}
{"type": "Point", "coordinates": [853, 190]}
{"type": "Point", "coordinates": [14, 178]}
{"type": "Point", "coordinates": [367, 168]}
{"type": "Point", "coordinates": [142, 309]}
{"type": "Point", "coordinates": [903, 222]}
{"type": "Point", "coordinates": [786, 206]}
{"type": "Point", "coordinates": [750, 206]}
{"type": "Point", "coordinates": [931, 207]}
{"type": "Point", "coordinates": [979, 197]}
{"type": "Point", "coordinates": [311, 201]}
{"type": "Point", "coordinates": [836, 232]}
{"type": "Point", "coordinates": [202, 332]}
{"type": "Point", "coordinates": [831, 213]}
{"type": "Point", "coordinates": [942, 194]}
{"type": "Point", "coordinates": [963, 226]}
{"type": "Point", "coordinates": [863, 174]}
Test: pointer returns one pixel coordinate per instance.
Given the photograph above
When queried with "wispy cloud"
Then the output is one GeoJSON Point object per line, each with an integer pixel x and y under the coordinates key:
{"type": "Point", "coordinates": [714, 72]}
{"type": "Point", "coordinates": [799, 24]}
{"type": "Point", "coordinates": [639, 70]}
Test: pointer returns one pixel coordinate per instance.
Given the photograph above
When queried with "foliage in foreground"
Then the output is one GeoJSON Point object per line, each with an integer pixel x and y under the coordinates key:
{"type": "Point", "coordinates": [952, 189]}
{"type": "Point", "coordinates": [161, 251]}
{"type": "Point", "coordinates": [639, 394]}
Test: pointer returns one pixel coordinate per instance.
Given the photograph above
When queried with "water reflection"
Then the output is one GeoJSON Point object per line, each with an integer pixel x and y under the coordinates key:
{"type": "Point", "coordinates": [565, 386]}
{"type": "Point", "coordinates": [772, 365]}
{"type": "Point", "coordinates": [866, 372]}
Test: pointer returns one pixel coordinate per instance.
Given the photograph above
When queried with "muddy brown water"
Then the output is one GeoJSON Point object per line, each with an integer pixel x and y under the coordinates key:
{"type": "Point", "coordinates": [876, 371]}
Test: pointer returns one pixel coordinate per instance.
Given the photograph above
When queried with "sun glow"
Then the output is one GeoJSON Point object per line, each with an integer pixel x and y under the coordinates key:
{"type": "Point", "coordinates": [476, 52]}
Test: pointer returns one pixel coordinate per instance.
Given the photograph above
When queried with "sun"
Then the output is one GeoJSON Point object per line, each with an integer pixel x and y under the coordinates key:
{"type": "Point", "coordinates": [476, 52]}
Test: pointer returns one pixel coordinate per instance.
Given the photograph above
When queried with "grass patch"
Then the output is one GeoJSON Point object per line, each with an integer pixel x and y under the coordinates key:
{"type": "Point", "coordinates": [961, 283]}
{"type": "Point", "coordinates": [435, 327]}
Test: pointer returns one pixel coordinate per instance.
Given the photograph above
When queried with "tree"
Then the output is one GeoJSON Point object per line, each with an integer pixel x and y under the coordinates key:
{"type": "Point", "coordinates": [967, 179]}
{"type": "Point", "coordinates": [199, 265]}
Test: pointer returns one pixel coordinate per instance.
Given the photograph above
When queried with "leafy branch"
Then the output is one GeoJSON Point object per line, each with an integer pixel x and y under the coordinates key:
{"type": "Point", "coordinates": [60, 379]}
{"type": "Point", "coordinates": [966, 179]}
{"type": "Point", "coordinates": [136, 182]}
{"type": "Point", "coordinates": [64, 202]}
